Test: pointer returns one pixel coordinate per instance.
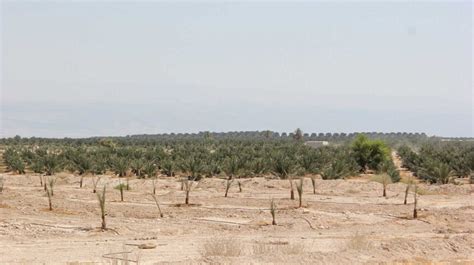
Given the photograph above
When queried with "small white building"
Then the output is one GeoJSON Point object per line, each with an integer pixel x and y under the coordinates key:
{"type": "Point", "coordinates": [316, 144]}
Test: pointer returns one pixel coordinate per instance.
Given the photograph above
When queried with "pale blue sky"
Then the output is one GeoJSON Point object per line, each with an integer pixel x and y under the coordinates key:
{"type": "Point", "coordinates": [104, 68]}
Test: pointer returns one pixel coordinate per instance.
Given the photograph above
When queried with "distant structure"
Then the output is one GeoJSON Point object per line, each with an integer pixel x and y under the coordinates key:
{"type": "Point", "coordinates": [316, 144]}
{"type": "Point", "coordinates": [457, 139]}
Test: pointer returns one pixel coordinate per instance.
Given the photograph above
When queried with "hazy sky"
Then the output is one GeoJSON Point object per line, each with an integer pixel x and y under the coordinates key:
{"type": "Point", "coordinates": [102, 68]}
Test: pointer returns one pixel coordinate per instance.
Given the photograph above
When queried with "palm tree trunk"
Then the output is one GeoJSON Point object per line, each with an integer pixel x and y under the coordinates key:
{"type": "Point", "coordinates": [406, 194]}
{"type": "Point", "coordinates": [415, 212]}
{"type": "Point", "coordinates": [104, 226]}
{"type": "Point", "coordinates": [292, 192]}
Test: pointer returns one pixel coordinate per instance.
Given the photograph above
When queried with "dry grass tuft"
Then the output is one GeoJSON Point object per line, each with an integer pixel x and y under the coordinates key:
{"type": "Point", "coordinates": [222, 247]}
{"type": "Point", "coordinates": [284, 248]}
{"type": "Point", "coordinates": [352, 191]}
{"type": "Point", "coordinates": [422, 191]}
{"type": "Point", "coordinates": [358, 242]}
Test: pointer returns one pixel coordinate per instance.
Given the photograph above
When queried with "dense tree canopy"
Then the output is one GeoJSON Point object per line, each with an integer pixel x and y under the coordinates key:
{"type": "Point", "coordinates": [240, 154]}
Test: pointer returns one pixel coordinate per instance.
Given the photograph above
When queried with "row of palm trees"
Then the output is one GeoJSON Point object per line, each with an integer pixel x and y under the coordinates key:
{"type": "Point", "coordinates": [440, 162]}
{"type": "Point", "coordinates": [197, 159]}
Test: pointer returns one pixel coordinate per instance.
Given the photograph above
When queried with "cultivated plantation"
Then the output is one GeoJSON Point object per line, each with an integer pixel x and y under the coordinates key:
{"type": "Point", "coordinates": [239, 197]}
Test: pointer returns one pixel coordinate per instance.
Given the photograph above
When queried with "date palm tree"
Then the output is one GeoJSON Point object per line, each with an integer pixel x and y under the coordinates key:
{"type": "Point", "coordinates": [101, 199]}
{"type": "Point", "coordinates": [283, 168]}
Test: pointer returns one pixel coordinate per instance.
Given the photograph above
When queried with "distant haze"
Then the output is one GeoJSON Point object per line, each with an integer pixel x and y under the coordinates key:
{"type": "Point", "coordinates": [92, 68]}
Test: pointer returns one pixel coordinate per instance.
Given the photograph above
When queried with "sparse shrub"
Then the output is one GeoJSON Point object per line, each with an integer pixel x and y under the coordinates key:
{"type": "Point", "coordinates": [95, 181]}
{"type": "Point", "coordinates": [153, 182]}
{"type": "Point", "coordinates": [233, 168]}
{"type": "Point", "coordinates": [187, 185]}
{"type": "Point", "coordinates": [228, 183]}
{"type": "Point", "coordinates": [299, 188]}
{"type": "Point", "coordinates": [358, 242]}
{"type": "Point", "coordinates": [313, 183]}
{"type": "Point", "coordinates": [273, 209]}
{"type": "Point", "coordinates": [50, 191]}
{"type": "Point", "coordinates": [51, 183]}
{"type": "Point", "coordinates": [120, 187]}
{"type": "Point", "coordinates": [292, 192]}
{"type": "Point", "coordinates": [284, 248]}
{"type": "Point", "coordinates": [101, 199]}
{"type": "Point", "coordinates": [222, 247]}
{"type": "Point", "coordinates": [384, 179]}
{"type": "Point", "coordinates": [283, 168]}
{"type": "Point", "coordinates": [157, 204]}
{"type": "Point", "coordinates": [409, 182]}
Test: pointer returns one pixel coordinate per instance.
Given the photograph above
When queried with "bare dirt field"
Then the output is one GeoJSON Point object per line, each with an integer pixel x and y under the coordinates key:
{"type": "Point", "coordinates": [345, 222]}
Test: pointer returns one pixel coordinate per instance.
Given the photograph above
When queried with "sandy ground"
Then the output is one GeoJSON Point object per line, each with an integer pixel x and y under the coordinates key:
{"type": "Point", "coordinates": [345, 222]}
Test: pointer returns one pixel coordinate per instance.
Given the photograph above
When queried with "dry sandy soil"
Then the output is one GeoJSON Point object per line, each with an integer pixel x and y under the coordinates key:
{"type": "Point", "coordinates": [345, 222]}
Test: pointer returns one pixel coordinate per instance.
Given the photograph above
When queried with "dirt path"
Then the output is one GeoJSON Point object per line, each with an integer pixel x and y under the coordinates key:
{"type": "Point", "coordinates": [404, 172]}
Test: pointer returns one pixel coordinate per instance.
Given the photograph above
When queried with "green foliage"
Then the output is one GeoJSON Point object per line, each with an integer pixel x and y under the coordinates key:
{"type": "Point", "coordinates": [193, 166]}
{"type": "Point", "coordinates": [52, 164]}
{"type": "Point", "coordinates": [122, 186]}
{"type": "Point", "coordinates": [138, 165]}
{"type": "Point", "coordinates": [389, 168]}
{"type": "Point", "coordinates": [369, 154]}
{"type": "Point", "coordinates": [283, 166]}
{"type": "Point", "coordinates": [241, 154]}
{"type": "Point", "coordinates": [150, 170]}
{"type": "Point", "coordinates": [233, 166]}
{"type": "Point", "coordinates": [438, 172]}
{"type": "Point", "coordinates": [338, 163]}
{"type": "Point", "coordinates": [438, 162]}
{"type": "Point", "coordinates": [120, 166]}
{"type": "Point", "coordinates": [168, 168]}
{"type": "Point", "coordinates": [80, 162]}
{"type": "Point", "coordinates": [14, 161]}
{"type": "Point", "coordinates": [101, 199]}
